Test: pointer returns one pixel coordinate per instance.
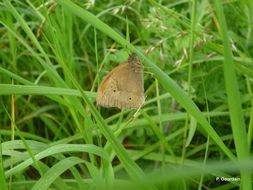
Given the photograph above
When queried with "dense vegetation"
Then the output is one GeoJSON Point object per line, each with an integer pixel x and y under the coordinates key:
{"type": "Point", "coordinates": [195, 129]}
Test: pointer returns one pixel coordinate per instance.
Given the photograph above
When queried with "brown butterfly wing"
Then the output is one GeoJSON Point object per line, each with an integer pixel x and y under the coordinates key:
{"type": "Point", "coordinates": [122, 87]}
{"type": "Point", "coordinates": [104, 94]}
{"type": "Point", "coordinates": [130, 86]}
{"type": "Point", "coordinates": [108, 87]}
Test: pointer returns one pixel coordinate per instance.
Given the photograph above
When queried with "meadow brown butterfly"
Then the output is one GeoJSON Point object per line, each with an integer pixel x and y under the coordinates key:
{"type": "Point", "coordinates": [123, 86]}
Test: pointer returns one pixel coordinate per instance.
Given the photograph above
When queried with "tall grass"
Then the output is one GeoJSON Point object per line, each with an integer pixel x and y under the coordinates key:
{"type": "Point", "coordinates": [195, 129]}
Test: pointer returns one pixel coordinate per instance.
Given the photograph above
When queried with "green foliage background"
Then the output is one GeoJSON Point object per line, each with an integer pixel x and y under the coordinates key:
{"type": "Point", "coordinates": [195, 129]}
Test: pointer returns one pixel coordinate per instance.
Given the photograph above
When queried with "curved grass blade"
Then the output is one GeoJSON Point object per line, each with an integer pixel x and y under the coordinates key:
{"type": "Point", "coordinates": [170, 85]}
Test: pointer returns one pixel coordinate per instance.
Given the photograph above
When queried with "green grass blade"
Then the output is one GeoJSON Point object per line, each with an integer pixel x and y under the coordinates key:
{"type": "Point", "coordinates": [7, 89]}
{"type": "Point", "coordinates": [59, 149]}
{"type": "Point", "coordinates": [170, 85]}
{"type": "Point", "coordinates": [3, 184]}
{"type": "Point", "coordinates": [232, 89]}
{"type": "Point", "coordinates": [55, 171]}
